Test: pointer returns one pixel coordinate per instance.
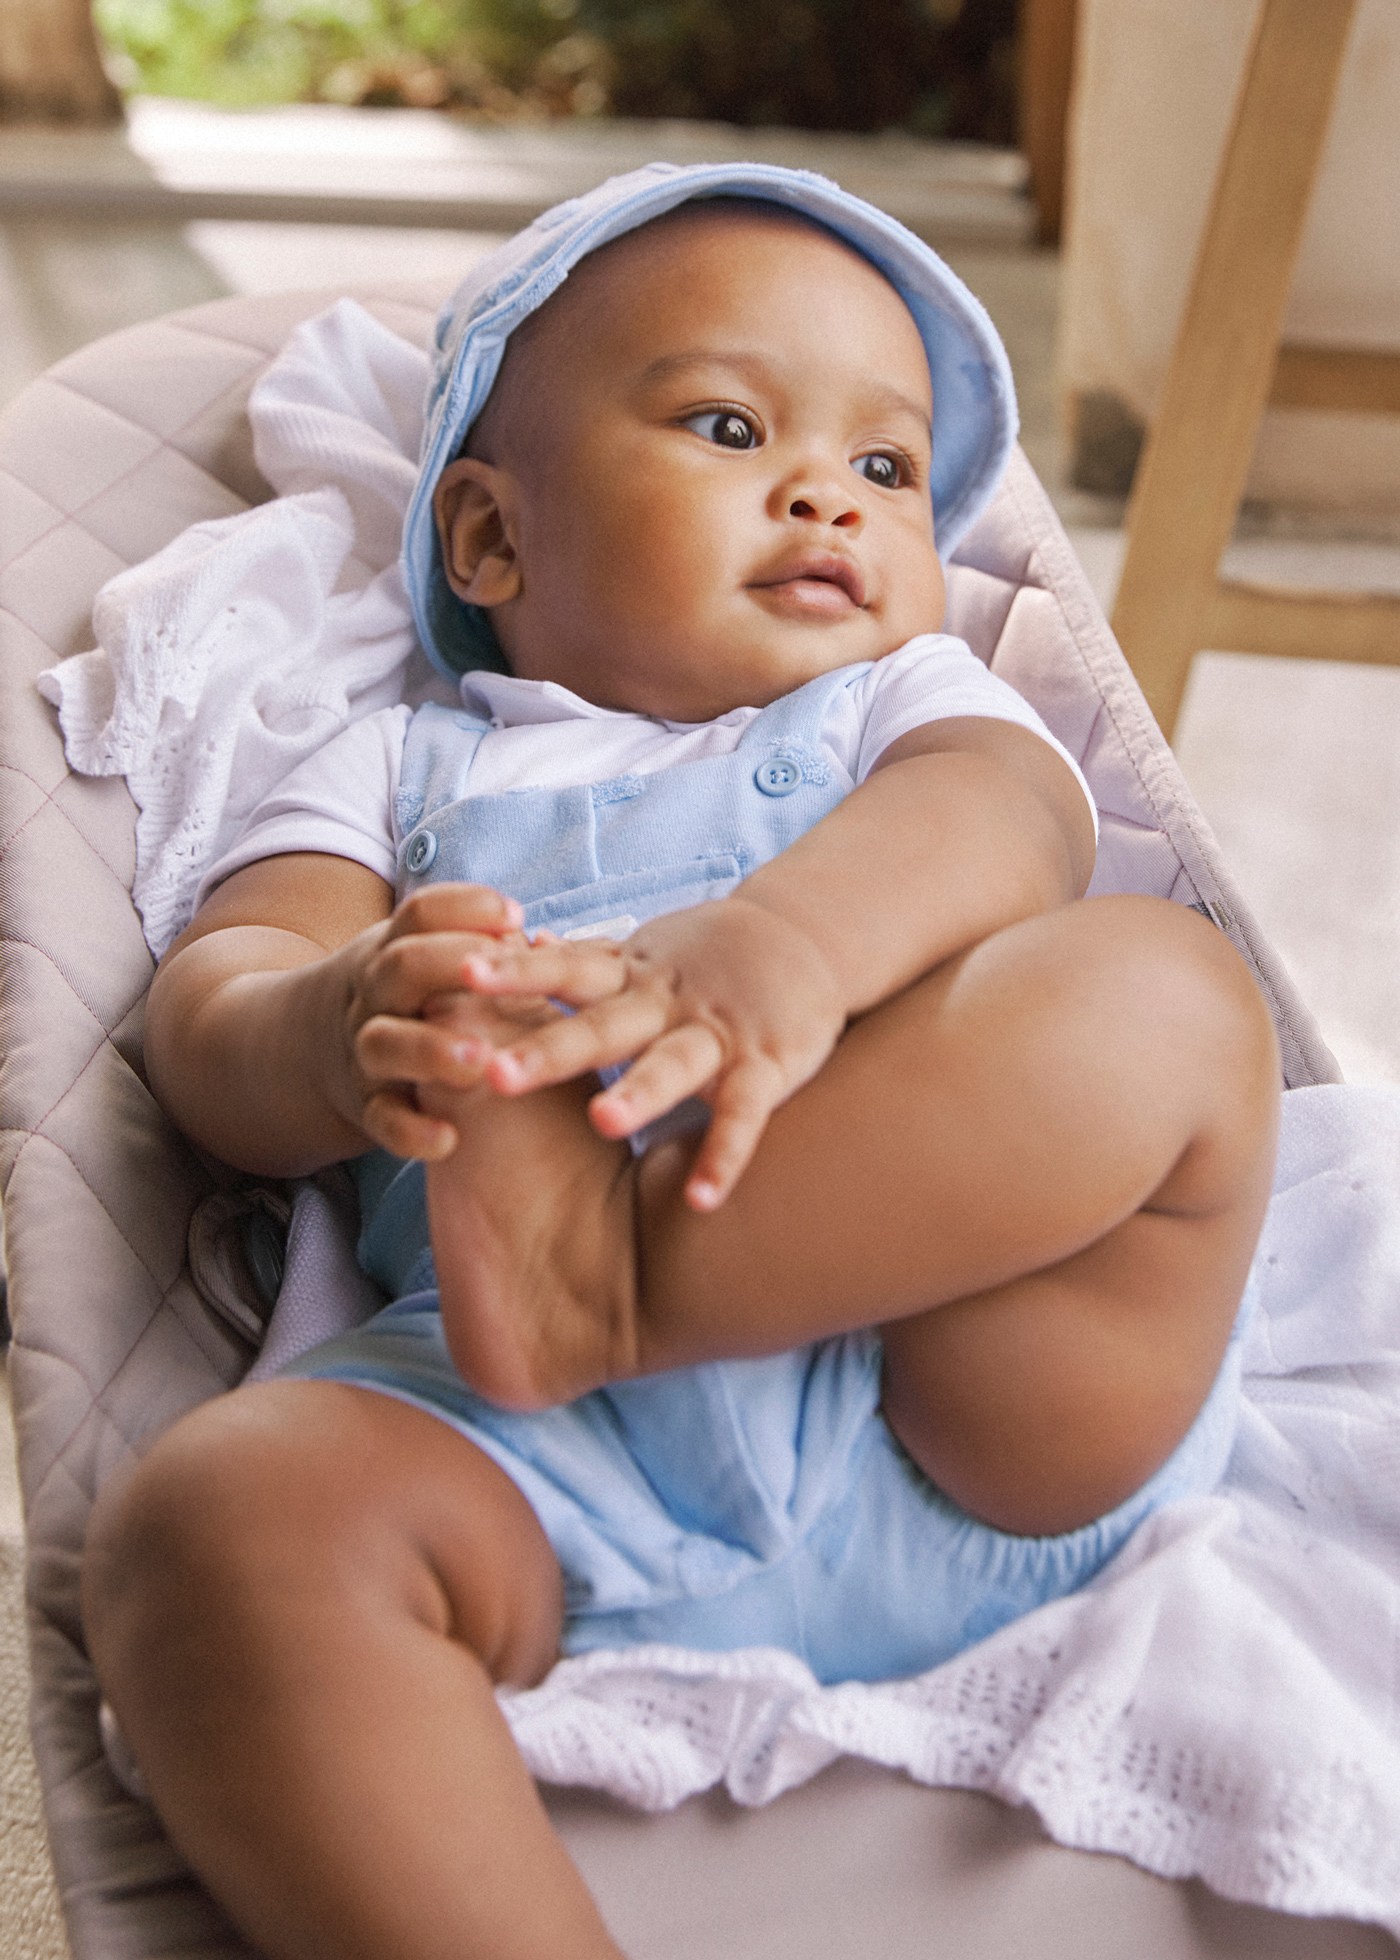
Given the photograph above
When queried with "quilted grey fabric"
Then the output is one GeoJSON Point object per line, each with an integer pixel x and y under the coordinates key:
{"type": "Point", "coordinates": [101, 462]}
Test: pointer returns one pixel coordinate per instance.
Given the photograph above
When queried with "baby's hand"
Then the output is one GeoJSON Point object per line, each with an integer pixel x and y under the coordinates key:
{"type": "Point", "coordinates": [725, 1001]}
{"type": "Point", "coordinates": [410, 1021]}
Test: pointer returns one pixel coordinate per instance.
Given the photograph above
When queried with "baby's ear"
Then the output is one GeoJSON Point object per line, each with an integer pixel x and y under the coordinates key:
{"type": "Point", "coordinates": [474, 504]}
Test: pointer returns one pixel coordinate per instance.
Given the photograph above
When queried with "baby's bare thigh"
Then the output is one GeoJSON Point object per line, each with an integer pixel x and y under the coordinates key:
{"type": "Point", "coordinates": [302, 1494]}
{"type": "Point", "coordinates": [1044, 1400]}
{"type": "Point", "coordinates": [994, 1120]}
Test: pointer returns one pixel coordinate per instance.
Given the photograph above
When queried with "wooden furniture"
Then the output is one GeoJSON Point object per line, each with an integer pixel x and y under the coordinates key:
{"type": "Point", "coordinates": [1045, 59]}
{"type": "Point", "coordinates": [1226, 366]}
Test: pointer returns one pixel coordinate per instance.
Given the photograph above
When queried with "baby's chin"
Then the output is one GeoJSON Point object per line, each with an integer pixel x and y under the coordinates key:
{"type": "Point", "coordinates": [715, 698]}
{"type": "Point", "coordinates": [680, 685]}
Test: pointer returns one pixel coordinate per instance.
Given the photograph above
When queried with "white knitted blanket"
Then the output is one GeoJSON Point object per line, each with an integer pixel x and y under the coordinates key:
{"type": "Point", "coordinates": [250, 640]}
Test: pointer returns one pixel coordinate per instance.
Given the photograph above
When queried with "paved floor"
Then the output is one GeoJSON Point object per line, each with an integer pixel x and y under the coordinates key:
{"type": "Point", "coordinates": [405, 166]}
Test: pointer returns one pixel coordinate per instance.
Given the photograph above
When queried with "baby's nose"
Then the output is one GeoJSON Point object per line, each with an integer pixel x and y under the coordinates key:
{"type": "Point", "coordinates": [825, 504]}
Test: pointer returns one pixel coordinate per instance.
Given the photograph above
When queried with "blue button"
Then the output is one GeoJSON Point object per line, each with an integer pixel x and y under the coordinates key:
{"type": "Point", "coordinates": [779, 776]}
{"type": "Point", "coordinates": [422, 849]}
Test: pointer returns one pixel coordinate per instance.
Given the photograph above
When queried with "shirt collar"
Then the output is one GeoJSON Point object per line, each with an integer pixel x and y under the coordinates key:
{"type": "Point", "coordinates": [510, 701]}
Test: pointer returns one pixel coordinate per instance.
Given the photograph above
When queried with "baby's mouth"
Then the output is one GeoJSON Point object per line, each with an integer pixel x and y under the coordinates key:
{"type": "Point", "coordinates": [820, 584]}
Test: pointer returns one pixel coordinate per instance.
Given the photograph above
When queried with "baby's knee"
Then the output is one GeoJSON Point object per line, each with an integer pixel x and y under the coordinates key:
{"type": "Point", "coordinates": [1163, 970]}
{"type": "Point", "coordinates": [177, 1539]}
{"type": "Point", "coordinates": [1211, 1006]}
{"type": "Point", "coordinates": [1210, 1062]}
{"type": "Point", "coordinates": [269, 1518]}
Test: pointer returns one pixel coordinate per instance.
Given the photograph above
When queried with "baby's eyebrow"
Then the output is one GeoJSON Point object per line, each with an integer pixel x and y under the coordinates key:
{"type": "Point", "coordinates": [884, 396]}
{"type": "Point", "coordinates": [751, 367]}
{"type": "Point", "coordinates": [755, 369]}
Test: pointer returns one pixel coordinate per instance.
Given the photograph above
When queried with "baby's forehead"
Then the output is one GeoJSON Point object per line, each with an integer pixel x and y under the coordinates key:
{"type": "Point", "coordinates": [604, 298]}
{"type": "Point", "coordinates": [716, 229]}
{"type": "Point", "coordinates": [706, 217]}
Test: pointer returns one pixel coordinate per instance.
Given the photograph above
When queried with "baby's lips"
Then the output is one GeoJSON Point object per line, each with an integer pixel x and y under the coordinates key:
{"type": "Point", "coordinates": [817, 568]}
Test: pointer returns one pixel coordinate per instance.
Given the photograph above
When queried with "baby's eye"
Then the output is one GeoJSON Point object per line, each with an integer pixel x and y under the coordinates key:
{"type": "Point", "coordinates": [885, 468]}
{"type": "Point", "coordinates": [730, 428]}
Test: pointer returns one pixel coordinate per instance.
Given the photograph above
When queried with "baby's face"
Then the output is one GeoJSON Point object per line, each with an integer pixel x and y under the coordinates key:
{"type": "Point", "coordinates": [720, 486]}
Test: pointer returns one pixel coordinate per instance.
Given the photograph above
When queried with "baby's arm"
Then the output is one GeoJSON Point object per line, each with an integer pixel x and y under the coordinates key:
{"type": "Point", "coordinates": [963, 827]}
{"type": "Point", "coordinates": [286, 1024]}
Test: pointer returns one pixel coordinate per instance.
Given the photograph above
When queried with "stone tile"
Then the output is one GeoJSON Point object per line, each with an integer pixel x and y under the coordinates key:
{"type": "Point", "coordinates": [1297, 766]}
{"type": "Point", "coordinates": [255, 258]}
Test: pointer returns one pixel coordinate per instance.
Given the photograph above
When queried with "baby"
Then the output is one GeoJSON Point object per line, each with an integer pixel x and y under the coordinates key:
{"type": "Point", "coordinates": [892, 1273]}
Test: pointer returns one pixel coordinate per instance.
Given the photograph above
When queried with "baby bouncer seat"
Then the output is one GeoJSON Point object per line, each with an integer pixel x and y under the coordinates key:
{"type": "Point", "coordinates": [117, 1332]}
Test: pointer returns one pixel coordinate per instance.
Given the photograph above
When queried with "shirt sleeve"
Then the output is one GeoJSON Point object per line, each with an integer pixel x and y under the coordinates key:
{"type": "Point", "coordinates": [933, 678]}
{"type": "Point", "coordinates": [340, 800]}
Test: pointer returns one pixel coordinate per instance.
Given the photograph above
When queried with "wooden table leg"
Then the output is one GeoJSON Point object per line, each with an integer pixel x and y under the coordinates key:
{"type": "Point", "coordinates": [1191, 478]}
{"type": "Point", "coordinates": [1046, 59]}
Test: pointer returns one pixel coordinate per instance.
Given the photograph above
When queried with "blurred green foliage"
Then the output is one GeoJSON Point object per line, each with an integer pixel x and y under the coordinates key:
{"type": "Point", "coordinates": [940, 67]}
{"type": "Point", "coordinates": [429, 53]}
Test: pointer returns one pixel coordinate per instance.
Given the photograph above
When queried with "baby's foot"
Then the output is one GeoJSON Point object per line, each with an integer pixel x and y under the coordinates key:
{"type": "Point", "coordinates": [532, 1224]}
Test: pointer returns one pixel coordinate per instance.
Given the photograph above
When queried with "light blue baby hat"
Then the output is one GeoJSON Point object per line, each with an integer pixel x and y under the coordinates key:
{"type": "Point", "coordinates": [973, 394]}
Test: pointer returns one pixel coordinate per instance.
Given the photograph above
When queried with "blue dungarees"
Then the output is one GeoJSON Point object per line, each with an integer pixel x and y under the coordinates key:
{"type": "Point", "coordinates": [738, 1503]}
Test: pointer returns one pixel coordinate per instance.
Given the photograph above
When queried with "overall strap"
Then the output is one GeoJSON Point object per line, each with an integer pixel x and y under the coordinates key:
{"type": "Point", "coordinates": [798, 717]}
{"type": "Point", "coordinates": [438, 753]}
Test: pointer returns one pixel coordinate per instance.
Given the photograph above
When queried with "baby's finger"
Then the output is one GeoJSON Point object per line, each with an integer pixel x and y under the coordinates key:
{"type": "Point", "coordinates": [451, 907]}
{"type": "Point", "coordinates": [740, 1110]}
{"type": "Point", "coordinates": [679, 1064]}
{"type": "Point", "coordinates": [392, 1121]}
{"type": "Point", "coordinates": [388, 1049]}
{"type": "Point", "coordinates": [609, 1031]}
{"type": "Point", "coordinates": [408, 971]}
{"type": "Point", "coordinates": [577, 971]}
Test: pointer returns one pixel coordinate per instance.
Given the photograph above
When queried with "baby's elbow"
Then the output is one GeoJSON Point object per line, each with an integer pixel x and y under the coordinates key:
{"type": "Point", "coordinates": [1073, 841]}
{"type": "Point", "coordinates": [1062, 847]}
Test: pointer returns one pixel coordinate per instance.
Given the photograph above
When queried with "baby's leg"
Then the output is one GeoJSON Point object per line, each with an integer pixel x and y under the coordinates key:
{"type": "Point", "coordinates": [298, 1606]}
{"type": "Point", "coordinates": [1039, 1402]}
{"type": "Point", "coordinates": [1042, 1170]}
